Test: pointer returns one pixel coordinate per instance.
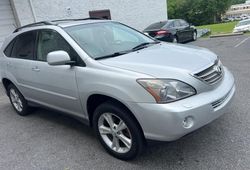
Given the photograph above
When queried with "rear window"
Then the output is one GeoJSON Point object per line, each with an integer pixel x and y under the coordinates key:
{"type": "Point", "coordinates": [157, 25]}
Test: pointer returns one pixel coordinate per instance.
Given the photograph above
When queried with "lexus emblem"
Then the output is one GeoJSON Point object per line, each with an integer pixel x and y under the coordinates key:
{"type": "Point", "coordinates": [217, 69]}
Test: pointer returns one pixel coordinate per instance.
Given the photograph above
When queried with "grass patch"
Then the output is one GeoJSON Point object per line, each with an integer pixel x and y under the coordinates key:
{"type": "Point", "coordinates": [221, 28]}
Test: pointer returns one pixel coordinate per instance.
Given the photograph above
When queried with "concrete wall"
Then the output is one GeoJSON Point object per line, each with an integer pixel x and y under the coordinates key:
{"type": "Point", "coordinates": [136, 13]}
{"type": "Point", "coordinates": [22, 12]}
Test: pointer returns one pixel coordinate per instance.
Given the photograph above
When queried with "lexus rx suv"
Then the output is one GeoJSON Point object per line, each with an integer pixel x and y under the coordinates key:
{"type": "Point", "coordinates": [129, 87]}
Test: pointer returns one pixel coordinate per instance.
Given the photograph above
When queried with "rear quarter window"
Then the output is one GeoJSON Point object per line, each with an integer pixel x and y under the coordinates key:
{"type": "Point", "coordinates": [9, 48]}
{"type": "Point", "coordinates": [24, 46]}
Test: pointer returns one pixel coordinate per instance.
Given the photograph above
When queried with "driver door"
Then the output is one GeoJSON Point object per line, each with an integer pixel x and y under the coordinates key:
{"type": "Point", "coordinates": [56, 86]}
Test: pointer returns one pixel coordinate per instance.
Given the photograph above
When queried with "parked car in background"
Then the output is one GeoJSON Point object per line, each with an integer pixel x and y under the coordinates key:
{"type": "Point", "coordinates": [244, 16]}
{"type": "Point", "coordinates": [175, 30]}
{"type": "Point", "coordinates": [242, 26]}
{"type": "Point", "coordinates": [237, 18]}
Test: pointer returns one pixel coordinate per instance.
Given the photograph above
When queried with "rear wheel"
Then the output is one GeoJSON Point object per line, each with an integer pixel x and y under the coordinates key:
{"type": "Point", "coordinates": [194, 36]}
{"type": "Point", "coordinates": [17, 100]}
{"type": "Point", "coordinates": [117, 131]}
{"type": "Point", "coordinates": [175, 39]}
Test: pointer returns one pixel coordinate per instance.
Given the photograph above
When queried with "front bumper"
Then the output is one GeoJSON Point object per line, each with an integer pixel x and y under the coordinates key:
{"type": "Point", "coordinates": [164, 122]}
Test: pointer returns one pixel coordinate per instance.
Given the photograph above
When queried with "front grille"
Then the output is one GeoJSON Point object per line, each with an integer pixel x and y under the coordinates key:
{"type": "Point", "coordinates": [212, 74]}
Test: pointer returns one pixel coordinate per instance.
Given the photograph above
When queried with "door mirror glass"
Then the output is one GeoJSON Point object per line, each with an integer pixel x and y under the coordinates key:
{"type": "Point", "coordinates": [57, 58]}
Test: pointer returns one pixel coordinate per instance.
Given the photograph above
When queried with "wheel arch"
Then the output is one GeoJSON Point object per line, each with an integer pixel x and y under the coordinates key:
{"type": "Point", "coordinates": [6, 82]}
{"type": "Point", "coordinates": [95, 100]}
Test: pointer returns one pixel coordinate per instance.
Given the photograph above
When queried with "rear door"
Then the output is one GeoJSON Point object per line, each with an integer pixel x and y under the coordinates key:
{"type": "Point", "coordinates": [19, 64]}
{"type": "Point", "coordinates": [179, 30]}
{"type": "Point", "coordinates": [187, 31]}
{"type": "Point", "coordinates": [55, 86]}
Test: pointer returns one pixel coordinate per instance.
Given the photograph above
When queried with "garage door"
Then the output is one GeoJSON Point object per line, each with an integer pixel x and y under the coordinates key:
{"type": "Point", "coordinates": [7, 21]}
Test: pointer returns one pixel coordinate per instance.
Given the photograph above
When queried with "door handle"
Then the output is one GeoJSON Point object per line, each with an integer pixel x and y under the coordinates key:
{"type": "Point", "coordinates": [8, 64]}
{"type": "Point", "coordinates": [36, 69]}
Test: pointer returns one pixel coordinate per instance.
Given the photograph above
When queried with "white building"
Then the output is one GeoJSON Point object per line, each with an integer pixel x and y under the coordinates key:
{"type": "Point", "coordinates": [136, 13]}
{"type": "Point", "coordinates": [238, 10]}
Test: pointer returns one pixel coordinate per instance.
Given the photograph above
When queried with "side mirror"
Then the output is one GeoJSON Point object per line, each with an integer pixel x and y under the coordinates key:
{"type": "Point", "coordinates": [57, 58]}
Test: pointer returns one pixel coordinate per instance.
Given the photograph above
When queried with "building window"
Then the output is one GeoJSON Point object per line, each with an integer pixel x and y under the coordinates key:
{"type": "Point", "coordinates": [105, 14]}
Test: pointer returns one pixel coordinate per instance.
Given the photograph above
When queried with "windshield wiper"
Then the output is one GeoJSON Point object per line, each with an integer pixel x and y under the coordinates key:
{"type": "Point", "coordinates": [113, 55]}
{"type": "Point", "coordinates": [144, 45]}
{"type": "Point", "coordinates": [138, 47]}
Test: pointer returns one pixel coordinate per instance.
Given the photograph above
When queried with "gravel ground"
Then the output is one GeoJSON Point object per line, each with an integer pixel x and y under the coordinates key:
{"type": "Point", "coordinates": [48, 140]}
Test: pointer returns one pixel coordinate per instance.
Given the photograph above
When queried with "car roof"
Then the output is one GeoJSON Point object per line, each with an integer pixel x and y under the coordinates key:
{"type": "Point", "coordinates": [62, 23]}
{"type": "Point", "coordinates": [245, 20]}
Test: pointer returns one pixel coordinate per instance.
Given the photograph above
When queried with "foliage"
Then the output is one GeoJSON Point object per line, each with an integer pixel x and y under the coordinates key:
{"type": "Point", "coordinates": [198, 12]}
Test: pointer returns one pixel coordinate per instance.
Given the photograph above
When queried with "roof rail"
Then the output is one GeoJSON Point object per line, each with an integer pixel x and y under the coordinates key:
{"type": "Point", "coordinates": [34, 24]}
{"type": "Point", "coordinates": [52, 22]}
{"type": "Point", "coordinates": [79, 19]}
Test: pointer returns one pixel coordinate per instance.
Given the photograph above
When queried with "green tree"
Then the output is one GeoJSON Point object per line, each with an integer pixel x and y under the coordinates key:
{"type": "Point", "coordinates": [198, 12]}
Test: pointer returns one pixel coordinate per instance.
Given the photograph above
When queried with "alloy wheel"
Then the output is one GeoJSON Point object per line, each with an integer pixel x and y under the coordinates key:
{"type": "Point", "coordinates": [16, 101]}
{"type": "Point", "coordinates": [115, 133]}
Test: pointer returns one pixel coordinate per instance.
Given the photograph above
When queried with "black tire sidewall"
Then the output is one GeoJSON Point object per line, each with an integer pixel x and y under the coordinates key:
{"type": "Point", "coordinates": [137, 137]}
{"type": "Point", "coordinates": [175, 38]}
{"type": "Point", "coordinates": [194, 33]}
{"type": "Point", "coordinates": [25, 109]}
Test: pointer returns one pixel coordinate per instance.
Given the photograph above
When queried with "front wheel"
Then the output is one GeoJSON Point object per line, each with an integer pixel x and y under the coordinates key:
{"type": "Point", "coordinates": [117, 131]}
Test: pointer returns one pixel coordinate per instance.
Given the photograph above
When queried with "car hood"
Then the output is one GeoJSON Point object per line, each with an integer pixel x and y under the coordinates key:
{"type": "Point", "coordinates": [156, 60]}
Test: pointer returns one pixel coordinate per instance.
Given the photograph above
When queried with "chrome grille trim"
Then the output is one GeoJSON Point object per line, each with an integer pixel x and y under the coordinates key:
{"type": "Point", "coordinates": [220, 101]}
{"type": "Point", "coordinates": [212, 74]}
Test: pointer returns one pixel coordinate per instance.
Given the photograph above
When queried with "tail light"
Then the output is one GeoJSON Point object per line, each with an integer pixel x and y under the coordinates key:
{"type": "Point", "coordinates": [162, 32]}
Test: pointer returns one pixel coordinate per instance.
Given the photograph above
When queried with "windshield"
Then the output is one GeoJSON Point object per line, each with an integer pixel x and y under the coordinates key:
{"type": "Point", "coordinates": [106, 38]}
{"type": "Point", "coordinates": [243, 23]}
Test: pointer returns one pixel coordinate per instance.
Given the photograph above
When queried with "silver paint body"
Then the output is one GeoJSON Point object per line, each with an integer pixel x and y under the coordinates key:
{"type": "Point", "coordinates": [67, 88]}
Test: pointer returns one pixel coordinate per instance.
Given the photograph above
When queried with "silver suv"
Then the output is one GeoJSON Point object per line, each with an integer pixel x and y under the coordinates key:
{"type": "Point", "coordinates": [126, 85]}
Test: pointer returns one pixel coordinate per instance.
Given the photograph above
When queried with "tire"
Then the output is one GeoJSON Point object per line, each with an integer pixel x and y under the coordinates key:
{"type": "Point", "coordinates": [110, 138]}
{"type": "Point", "coordinates": [17, 100]}
{"type": "Point", "coordinates": [175, 39]}
{"type": "Point", "coordinates": [194, 36]}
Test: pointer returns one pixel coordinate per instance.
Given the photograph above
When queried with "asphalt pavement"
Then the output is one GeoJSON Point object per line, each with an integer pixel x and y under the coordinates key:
{"type": "Point", "coordinates": [48, 140]}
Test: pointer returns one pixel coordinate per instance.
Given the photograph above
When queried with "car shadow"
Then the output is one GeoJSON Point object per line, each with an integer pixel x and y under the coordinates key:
{"type": "Point", "coordinates": [61, 119]}
{"type": "Point", "coordinates": [192, 147]}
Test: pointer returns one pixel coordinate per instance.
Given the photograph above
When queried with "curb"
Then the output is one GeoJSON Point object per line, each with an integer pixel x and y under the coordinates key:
{"type": "Point", "coordinates": [226, 35]}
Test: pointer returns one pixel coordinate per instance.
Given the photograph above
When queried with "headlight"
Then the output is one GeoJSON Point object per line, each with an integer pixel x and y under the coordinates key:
{"type": "Point", "coordinates": [167, 90]}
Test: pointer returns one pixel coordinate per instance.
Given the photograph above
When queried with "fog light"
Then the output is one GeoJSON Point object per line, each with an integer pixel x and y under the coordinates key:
{"type": "Point", "coordinates": [188, 122]}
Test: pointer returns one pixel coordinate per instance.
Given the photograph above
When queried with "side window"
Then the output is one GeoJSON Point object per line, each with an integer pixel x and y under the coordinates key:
{"type": "Point", "coordinates": [170, 24]}
{"type": "Point", "coordinates": [9, 48]}
{"type": "Point", "coordinates": [49, 41]}
{"type": "Point", "coordinates": [183, 23]}
{"type": "Point", "coordinates": [177, 23]}
{"type": "Point", "coordinates": [24, 46]}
